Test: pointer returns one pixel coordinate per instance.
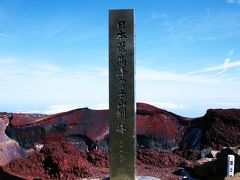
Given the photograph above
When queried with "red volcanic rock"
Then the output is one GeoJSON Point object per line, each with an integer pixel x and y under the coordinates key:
{"type": "Point", "coordinates": [189, 154]}
{"type": "Point", "coordinates": [57, 160]}
{"type": "Point", "coordinates": [91, 123]}
{"type": "Point", "coordinates": [164, 129]}
{"type": "Point", "coordinates": [163, 164]}
{"type": "Point", "coordinates": [98, 158]}
{"type": "Point", "coordinates": [82, 126]}
{"type": "Point", "coordinates": [65, 133]}
{"type": "Point", "coordinates": [65, 160]}
{"type": "Point", "coordinates": [61, 160]}
{"type": "Point", "coordinates": [27, 167]}
{"type": "Point", "coordinates": [159, 159]}
{"type": "Point", "coordinates": [222, 127]}
{"type": "Point", "coordinates": [156, 128]}
{"type": "Point", "coordinates": [152, 120]}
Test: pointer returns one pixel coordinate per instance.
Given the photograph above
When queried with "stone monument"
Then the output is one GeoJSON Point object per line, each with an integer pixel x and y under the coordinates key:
{"type": "Point", "coordinates": [122, 95]}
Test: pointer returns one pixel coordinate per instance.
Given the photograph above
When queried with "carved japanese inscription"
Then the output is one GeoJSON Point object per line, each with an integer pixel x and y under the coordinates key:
{"type": "Point", "coordinates": [121, 95]}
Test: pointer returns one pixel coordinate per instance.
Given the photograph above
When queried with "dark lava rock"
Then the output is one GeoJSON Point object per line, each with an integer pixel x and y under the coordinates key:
{"type": "Point", "coordinates": [191, 140]}
{"type": "Point", "coordinates": [217, 169]}
{"type": "Point", "coordinates": [88, 129]}
{"type": "Point", "coordinates": [222, 128]}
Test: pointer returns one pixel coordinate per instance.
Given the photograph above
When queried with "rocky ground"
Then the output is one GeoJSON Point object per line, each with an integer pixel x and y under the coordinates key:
{"type": "Point", "coordinates": [62, 160]}
{"type": "Point", "coordinates": [74, 144]}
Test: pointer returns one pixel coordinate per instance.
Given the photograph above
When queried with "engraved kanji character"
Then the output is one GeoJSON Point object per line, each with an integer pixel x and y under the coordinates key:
{"type": "Point", "coordinates": [121, 25]}
{"type": "Point", "coordinates": [121, 94]}
{"type": "Point", "coordinates": [122, 47]}
{"type": "Point", "coordinates": [121, 129]}
{"type": "Point", "coordinates": [121, 72]}
{"type": "Point", "coordinates": [121, 112]}
{"type": "Point", "coordinates": [121, 83]}
{"type": "Point", "coordinates": [122, 103]}
{"type": "Point", "coordinates": [121, 35]}
{"type": "Point", "coordinates": [122, 61]}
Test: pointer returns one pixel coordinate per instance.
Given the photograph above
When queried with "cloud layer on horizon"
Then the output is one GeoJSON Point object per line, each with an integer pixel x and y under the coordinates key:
{"type": "Point", "coordinates": [62, 89]}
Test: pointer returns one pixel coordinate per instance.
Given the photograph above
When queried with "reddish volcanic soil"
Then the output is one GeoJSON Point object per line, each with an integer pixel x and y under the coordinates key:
{"type": "Point", "coordinates": [160, 164]}
{"type": "Point", "coordinates": [222, 128]}
{"type": "Point", "coordinates": [158, 159]}
{"type": "Point", "coordinates": [62, 160]}
{"type": "Point", "coordinates": [160, 123]}
{"type": "Point", "coordinates": [56, 160]}
{"type": "Point", "coordinates": [76, 142]}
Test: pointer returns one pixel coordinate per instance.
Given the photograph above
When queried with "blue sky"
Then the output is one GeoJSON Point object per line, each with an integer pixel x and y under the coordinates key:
{"type": "Point", "coordinates": [54, 54]}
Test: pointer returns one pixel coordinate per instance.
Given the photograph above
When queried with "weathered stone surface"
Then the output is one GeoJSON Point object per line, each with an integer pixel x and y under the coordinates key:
{"type": "Point", "coordinates": [122, 95]}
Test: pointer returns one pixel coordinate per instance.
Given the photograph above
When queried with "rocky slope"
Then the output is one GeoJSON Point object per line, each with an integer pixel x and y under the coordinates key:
{"type": "Point", "coordinates": [59, 159]}
{"type": "Point", "coordinates": [88, 129]}
{"type": "Point", "coordinates": [165, 141]}
{"type": "Point", "coordinates": [221, 128]}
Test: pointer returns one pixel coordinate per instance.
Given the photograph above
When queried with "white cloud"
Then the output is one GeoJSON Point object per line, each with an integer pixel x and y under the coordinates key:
{"type": "Point", "coordinates": [199, 26]}
{"type": "Point", "coordinates": [46, 67]}
{"type": "Point", "coordinates": [30, 112]}
{"type": "Point", "coordinates": [100, 106]}
{"type": "Point", "coordinates": [160, 75]}
{"type": "Point", "coordinates": [228, 104]}
{"type": "Point", "coordinates": [32, 84]}
{"type": "Point", "coordinates": [11, 68]}
{"type": "Point", "coordinates": [53, 109]}
{"type": "Point", "coordinates": [61, 108]}
{"type": "Point", "coordinates": [41, 87]}
{"type": "Point", "coordinates": [42, 71]}
{"type": "Point", "coordinates": [168, 105]}
{"type": "Point", "coordinates": [228, 64]}
{"type": "Point", "coordinates": [19, 69]}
